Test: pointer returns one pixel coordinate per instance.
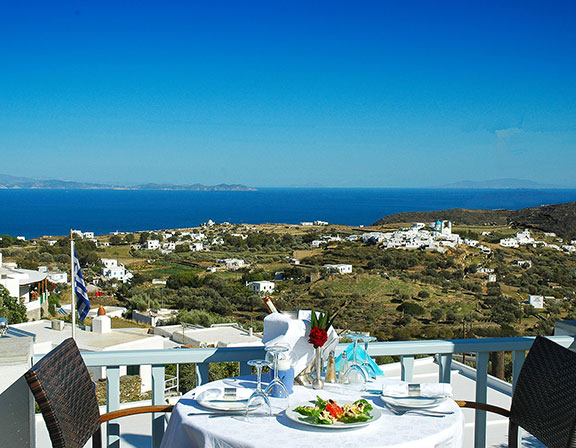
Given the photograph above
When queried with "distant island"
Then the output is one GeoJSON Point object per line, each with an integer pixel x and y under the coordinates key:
{"type": "Point", "coordinates": [8, 182]}
{"type": "Point", "coordinates": [557, 218]}
{"type": "Point", "coordinates": [499, 183]}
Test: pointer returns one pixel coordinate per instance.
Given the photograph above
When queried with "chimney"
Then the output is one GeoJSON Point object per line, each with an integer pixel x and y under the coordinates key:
{"type": "Point", "coordinates": [101, 323]}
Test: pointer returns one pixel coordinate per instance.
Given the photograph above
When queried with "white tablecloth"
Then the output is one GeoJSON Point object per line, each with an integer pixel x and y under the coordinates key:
{"type": "Point", "coordinates": [186, 429]}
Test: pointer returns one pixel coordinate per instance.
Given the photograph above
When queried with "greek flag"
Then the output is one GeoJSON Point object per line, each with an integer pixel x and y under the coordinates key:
{"type": "Point", "coordinates": [82, 302]}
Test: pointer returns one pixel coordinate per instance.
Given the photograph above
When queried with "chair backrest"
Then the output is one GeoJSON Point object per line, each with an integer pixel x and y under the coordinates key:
{"type": "Point", "coordinates": [543, 402]}
{"type": "Point", "coordinates": [66, 396]}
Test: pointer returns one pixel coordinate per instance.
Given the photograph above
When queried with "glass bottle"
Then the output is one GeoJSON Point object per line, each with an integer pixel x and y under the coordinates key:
{"type": "Point", "coordinates": [331, 369]}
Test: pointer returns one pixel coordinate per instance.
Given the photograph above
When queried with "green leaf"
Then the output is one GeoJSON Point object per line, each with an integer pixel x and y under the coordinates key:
{"type": "Point", "coordinates": [356, 418]}
{"type": "Point", "coordinates": [367, 405]}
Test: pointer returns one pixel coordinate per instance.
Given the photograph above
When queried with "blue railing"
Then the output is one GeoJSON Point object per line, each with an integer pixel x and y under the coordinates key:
{"type": "Point", "coordinates": [407, 350]}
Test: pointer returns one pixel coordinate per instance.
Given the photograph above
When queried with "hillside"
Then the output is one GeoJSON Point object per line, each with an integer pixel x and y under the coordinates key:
{"type": "Point", "coordinates": [557, 218]}
{"type": "Point", "coordinates": [24, 183]}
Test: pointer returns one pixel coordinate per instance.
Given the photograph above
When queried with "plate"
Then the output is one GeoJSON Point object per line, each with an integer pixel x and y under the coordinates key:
{"type": "Point", "coordinates": [299, 418]}
{"type": "Point", "coordinates": [212, 399]}
{"type": "Point", "coordinates": [412, 402]}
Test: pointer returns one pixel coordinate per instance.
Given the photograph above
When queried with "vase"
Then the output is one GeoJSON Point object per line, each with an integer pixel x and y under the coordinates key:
{"type": "Point", "coordinates": [318, 383]}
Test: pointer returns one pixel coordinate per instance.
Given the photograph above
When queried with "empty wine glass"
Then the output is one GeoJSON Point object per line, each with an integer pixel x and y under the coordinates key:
{"type": "Point", "coordinates": [258, 404]}
{"type": "Point", "coordinates": [368, 369]}
{"type": "Point", "coordinates": [277, 388]}
{"type": "Point", "coordinates": [356, 376]}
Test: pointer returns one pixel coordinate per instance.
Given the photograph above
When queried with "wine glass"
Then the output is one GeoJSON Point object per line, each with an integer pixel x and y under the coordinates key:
{"type": "Point", "coordinates": [356, 376]}
{"type": "Point", "coordinates": [277, 388]}
{"type": "Point", "coordinates": [368, 369]}
{"type": "Point", "coordinates": [258, 404]}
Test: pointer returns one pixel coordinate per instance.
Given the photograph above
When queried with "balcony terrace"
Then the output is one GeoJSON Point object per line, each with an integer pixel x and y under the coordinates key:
{"type": "Point", "coordinates": [443, 351]}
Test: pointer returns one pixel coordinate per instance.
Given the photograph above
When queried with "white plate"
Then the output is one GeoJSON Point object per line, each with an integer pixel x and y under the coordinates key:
{"type": "Point", "coordinates": [299, 418]}
{"type": "Point", "coordinates": [412, 402]}
{"type": "Point", "coordinates": [215, 401]}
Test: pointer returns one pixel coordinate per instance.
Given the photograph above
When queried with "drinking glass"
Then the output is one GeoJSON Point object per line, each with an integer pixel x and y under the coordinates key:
{"type": "Point", "coordinates": [258, 404]}
{"type": "Point", "coordinates": [356, 376]}
{"type": "Point", "coordinates": [276, 388]}
{"type": "Point", "coordinates": [368, 369]}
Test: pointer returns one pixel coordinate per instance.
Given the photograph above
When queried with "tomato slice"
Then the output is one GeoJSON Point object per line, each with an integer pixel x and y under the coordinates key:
{"type": "Point", "coordinates": [335, 410]}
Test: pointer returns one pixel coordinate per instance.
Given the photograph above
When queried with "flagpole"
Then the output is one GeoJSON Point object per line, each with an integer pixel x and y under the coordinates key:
{"type": "Point", "coordinates": [73, 283]}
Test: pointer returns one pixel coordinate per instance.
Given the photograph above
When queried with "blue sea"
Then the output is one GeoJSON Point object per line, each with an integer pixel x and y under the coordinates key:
{"type": "Point", "coordinates": [34, 213]}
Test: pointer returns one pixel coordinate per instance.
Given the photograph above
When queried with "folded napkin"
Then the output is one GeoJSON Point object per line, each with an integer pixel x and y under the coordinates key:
{"type": "Point", "coordinates": [361, 356]}
{"type": "Point", "coordinates": [217, 394]}
{"type": "Point", "coordinates": [280, 329]}
{"type": "Point", "coordinates": [400, 389]}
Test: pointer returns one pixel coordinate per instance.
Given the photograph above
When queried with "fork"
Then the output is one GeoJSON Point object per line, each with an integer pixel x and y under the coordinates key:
{"type": "Point", "coordinates": [426, 412]}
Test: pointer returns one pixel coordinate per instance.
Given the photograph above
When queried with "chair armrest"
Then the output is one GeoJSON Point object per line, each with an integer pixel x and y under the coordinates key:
{"type": "Point", "coordinates": [133, 411]}
{"type": "Point", "coordinates": [483, 407]}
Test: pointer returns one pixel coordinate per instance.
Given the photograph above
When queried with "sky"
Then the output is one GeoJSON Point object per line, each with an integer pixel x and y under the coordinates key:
{"type": "Point", "coordinates": [289, 93]}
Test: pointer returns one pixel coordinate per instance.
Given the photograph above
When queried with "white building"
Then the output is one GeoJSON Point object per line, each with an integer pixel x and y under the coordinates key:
{"type": "Point", "coordinates": [168, 246]}
{"type": "Point", "coordinates": [152, 245]}
{"type": "Point", "coordinates": [28, 286]}
{"type": "Point", "coordinates": [320, 223]}
{"type": "Point", "coordinates": [536, 301]}
{"type": "Point", "coordinates": [262, 287]}
{"type": "Point", "coordinates": [218, 335]}
{"type": "Point", "coordinates": [196, 247]}
{"type": "Point", "coordinates": [154, 318]}
{"type": "Point", "coordinates": [307, 223]}
{"type": "Point", "coordinates": [232, 263]}
{"type": "Point", "coordinates": [101, 338]}
{"type": "Point", "coordinates": [58, 277]}
{"type": "Point", "coordinates": [509, 242]}
{"type": "Point", "coordinates": [339, 268]}
{"type": "Point", "coordinates": [113, 270]}
{"type": "Point", "coordinates": [317, 243]}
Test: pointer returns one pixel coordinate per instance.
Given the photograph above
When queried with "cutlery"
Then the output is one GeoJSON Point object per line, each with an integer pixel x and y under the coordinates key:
{"type": "Point", "coordinates": [426, 412]}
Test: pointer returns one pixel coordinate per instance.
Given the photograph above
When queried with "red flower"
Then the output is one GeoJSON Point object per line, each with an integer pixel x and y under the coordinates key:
{"type": "Point", "coordinates": [318, 337]}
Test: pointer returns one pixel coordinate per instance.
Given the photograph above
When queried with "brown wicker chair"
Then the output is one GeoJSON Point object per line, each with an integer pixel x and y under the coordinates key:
{"type": "Point", "coordinates": [66, 396]}
{"type": "Point", "coordinates": [543, 401]}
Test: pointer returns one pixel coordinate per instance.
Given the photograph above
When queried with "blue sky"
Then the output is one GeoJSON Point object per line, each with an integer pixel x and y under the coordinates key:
{"type": "Point", "coordinates": [289, 93]}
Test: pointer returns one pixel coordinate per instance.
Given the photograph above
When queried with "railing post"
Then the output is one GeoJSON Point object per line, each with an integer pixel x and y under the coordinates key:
{"type": "Point", "coordinates": [158, 384]}
{"type": "Point", "coordinates": [245, 369]}
{"type": "Point", "coordinates": [407, 365]}
{"type": "Point", "coordinates": [202, 373]}
{"type": "Point", "coordinates": [113, 404]}
{"type": "Point", "coordinates": [517, 362]}
{"type": "Point", "coordinates": [481, 397]}
{"type": "Point", "coordinates": [444, 368]}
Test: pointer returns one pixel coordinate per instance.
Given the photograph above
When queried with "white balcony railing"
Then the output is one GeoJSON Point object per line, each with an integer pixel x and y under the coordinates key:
{"type": "Point", "coordinates": [407, 350]}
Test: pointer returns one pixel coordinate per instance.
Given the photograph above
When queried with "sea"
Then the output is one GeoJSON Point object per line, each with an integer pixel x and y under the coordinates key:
{"type": "Point", "coordinates": [35, 213]}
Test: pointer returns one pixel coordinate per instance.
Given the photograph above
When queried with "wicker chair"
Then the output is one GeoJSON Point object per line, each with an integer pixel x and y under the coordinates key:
{"type": "Point", "coordinates": [543, 401]}
{"type": "Point", "coordinates": [66, 396]}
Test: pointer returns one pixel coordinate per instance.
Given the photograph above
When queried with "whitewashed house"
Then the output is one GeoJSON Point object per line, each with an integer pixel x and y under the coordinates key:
{"type": "Point", "coordinates": [169, 246]}
{"type": "Point", "coordinates": [152, 245]}
{"type": "Point", "coordinates": [58, 277]}
{"type": "Point", "coordinates": [536, 301]}
{"type": "Point", "coordinates": [113, 270]}
{"type": "Point", "coordinates": [232, 263]}
{"type": "Point", "coordinates": [339, 268]}
{"type": "Point", "coordinates": [262, 287]}
{"type": "Point", "coordinates": [509, 242]}
{"type": "Point", "coordinates": [196, 247]}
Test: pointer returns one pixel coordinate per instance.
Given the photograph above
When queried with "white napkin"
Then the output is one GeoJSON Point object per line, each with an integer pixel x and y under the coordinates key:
{"type": "Point", "coordinates": [280, 329]}
{"type": "Point", "coordinates": [400, 389]}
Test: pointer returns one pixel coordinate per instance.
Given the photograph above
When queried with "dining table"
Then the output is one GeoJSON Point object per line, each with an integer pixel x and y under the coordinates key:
{"type": "Point", "coordinates": [192, 425]}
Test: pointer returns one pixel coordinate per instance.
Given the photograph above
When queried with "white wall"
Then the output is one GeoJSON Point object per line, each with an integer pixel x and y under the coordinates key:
{"type": "Point", "coordinates": [17, 422]}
